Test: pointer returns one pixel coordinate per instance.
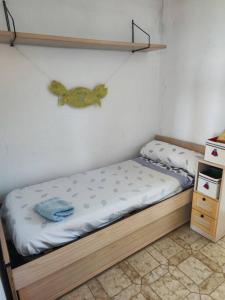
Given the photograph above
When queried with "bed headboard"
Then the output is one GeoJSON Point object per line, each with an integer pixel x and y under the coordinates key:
{"type": "Point", "coordinates": [180, 143]}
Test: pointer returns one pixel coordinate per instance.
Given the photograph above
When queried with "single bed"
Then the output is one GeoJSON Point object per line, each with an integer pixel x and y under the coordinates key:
{"type": "Point", "coordinates": [100, 197]}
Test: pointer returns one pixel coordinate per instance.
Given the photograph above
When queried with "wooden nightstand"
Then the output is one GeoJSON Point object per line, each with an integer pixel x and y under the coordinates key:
{"type": "Point", "coordinates": [208, 213]}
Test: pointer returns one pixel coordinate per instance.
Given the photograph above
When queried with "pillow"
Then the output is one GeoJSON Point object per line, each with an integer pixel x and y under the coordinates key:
{"type": "Point", "coordinates": [172, 155]}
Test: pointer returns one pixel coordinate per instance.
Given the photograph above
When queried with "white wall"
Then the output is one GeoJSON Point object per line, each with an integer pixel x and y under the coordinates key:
{"type": "Point", "coordinates": [38, 139]}
{"type": "Point", "coordinates": [193, 69]}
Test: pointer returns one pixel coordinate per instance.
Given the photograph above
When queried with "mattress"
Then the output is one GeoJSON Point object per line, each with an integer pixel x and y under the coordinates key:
{"type": "Point", "coordinates": [99, 198]}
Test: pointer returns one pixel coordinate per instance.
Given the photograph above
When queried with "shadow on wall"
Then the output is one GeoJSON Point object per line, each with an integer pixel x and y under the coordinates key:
{"type": "Point", "coordinates": [192, 70]}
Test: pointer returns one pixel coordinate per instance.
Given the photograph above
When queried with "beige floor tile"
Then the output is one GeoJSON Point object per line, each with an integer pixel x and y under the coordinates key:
{"type": "Point", "coordinates": [219, 293]}
{"type": "Point", "coordinates": [143, 262]}
{"type": "Point", "coordinates": [205, 297]}
{"type": "Point", "coordinates": [215, 253]}
{"type": "Point", "coordinates": [97, 290]}
{"type": "Point", "coordinates": [193, 296]}
{"type": "Point", "coordinates": [148, 293]}
{"type": "Point", "coordinates": [179, 257]}
{"type": "Point", "coordinates": [211, 283]}
{"type": "Point", "coordinates": [155, 274]}
{"type": "Point", "coordinates": [157, 255]}
{"type": "Point", "coordinates": [167, 247]}
{"type": "Point", "coordinates": [185, 234]}
{"type": "Point", "coordinates": [207, 261]}
{"type": "Point", "coordinates": [138, 297]}
{"type": "Point", "coordinates": [81, 293]}
{"type": "Point", "coordinates": [130, 272]}
{"type": "Point", "coordinates": [199, 244]}
{"type": "Point", "coordinates": [182, 278]}
{"type": "Point", "coordinates": [195, 269]}
{"type": "Point", "coordinates": [169, 289]}
{"type": "Point", "coordinates": [128, 293]}
{"type": "Point", "coordinates": [114, 281]}
{"type": "Point", "coordinates": [221, 242]}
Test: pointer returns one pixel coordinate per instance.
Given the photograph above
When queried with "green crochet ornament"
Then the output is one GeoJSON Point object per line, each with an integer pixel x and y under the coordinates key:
{"type": "Point", "coordinates": [78, 97]}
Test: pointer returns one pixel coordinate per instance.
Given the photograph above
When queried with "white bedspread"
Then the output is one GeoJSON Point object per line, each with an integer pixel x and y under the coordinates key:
{"type": "Point", "coordinates": [99, 197]}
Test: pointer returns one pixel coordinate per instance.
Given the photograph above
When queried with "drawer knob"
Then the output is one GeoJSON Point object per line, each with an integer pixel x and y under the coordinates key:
{"type": "Point", "coordinates": [206, 185]}
{"type": "Point", "coordinates": [214, 152]}
{"type": "Point", "coordinates": [203, 199]}
{"type": "Point", "coordinates": [202, 216]}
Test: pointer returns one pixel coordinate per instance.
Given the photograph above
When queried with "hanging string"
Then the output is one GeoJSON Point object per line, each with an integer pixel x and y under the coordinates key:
{"type": "Point", "coordinates": [117, 70]}
{"type": "Point", "coordinates": [35, 65]}
{"type": "Point", "coordinates": [45, 74]}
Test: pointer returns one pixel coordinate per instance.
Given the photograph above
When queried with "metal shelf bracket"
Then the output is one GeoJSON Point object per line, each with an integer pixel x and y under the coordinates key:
{"type": "Point", "coordinates": [9, 16]}
{"type": "Point", "coordinates": [148, 35]}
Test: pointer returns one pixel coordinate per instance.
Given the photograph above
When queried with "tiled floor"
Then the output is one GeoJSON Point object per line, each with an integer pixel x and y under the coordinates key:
{"type": "Point", "coordinates": [182, 265]}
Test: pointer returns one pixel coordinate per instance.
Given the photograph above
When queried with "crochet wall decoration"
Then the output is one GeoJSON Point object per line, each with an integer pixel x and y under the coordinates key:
{"type": "Point", "coordinates": [78, 97]}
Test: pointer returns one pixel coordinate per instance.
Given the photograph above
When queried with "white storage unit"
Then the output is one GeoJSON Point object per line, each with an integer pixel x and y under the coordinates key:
{"type": "Point", "coordinates": [208, 186]}
{"type": "Point", "coordinates": [215, 151]}
{"type": "Point", "coordinates": [208, 205]}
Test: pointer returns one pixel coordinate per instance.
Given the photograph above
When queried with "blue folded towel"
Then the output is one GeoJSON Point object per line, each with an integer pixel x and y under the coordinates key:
{"type": "Point", "coordinates": [54, 209]}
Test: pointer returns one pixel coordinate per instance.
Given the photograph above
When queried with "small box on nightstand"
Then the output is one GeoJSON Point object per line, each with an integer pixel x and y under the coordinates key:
{"type": "Point", "coordinates": [215, 151]}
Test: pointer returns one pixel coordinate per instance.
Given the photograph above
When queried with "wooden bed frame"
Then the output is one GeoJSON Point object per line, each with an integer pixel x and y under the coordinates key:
{"type": "Point", "coordinates": [54, 274]}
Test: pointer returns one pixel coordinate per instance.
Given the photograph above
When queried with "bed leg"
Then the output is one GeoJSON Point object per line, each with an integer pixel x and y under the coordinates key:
{"type": "Point", "coordinates": [10, 279]}
{"type": "Point", "coordinates": [7, 282]}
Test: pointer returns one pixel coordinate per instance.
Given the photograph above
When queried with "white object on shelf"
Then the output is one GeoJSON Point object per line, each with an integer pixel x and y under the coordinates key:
{"type": "Point", "coordinates": [215, 151]}
{"type": "Point", "coordinates": [208, 186]}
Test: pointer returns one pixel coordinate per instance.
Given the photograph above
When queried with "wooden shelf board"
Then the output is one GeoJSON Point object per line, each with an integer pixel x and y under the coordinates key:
{"type": "Point", "coordinates": [24, 38]}
{"type": "Point", "coordinates": [206, 162]}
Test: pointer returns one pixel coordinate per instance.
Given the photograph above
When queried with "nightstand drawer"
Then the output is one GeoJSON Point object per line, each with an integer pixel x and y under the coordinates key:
{"type": "Point", "coordinates": [203, 222]}
{"type": "Point", "coordinates": [205, 205]}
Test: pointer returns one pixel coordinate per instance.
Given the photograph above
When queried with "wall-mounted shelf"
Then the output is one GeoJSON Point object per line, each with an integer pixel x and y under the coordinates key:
{"type": "Point", "coordinates": [24, 38]}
